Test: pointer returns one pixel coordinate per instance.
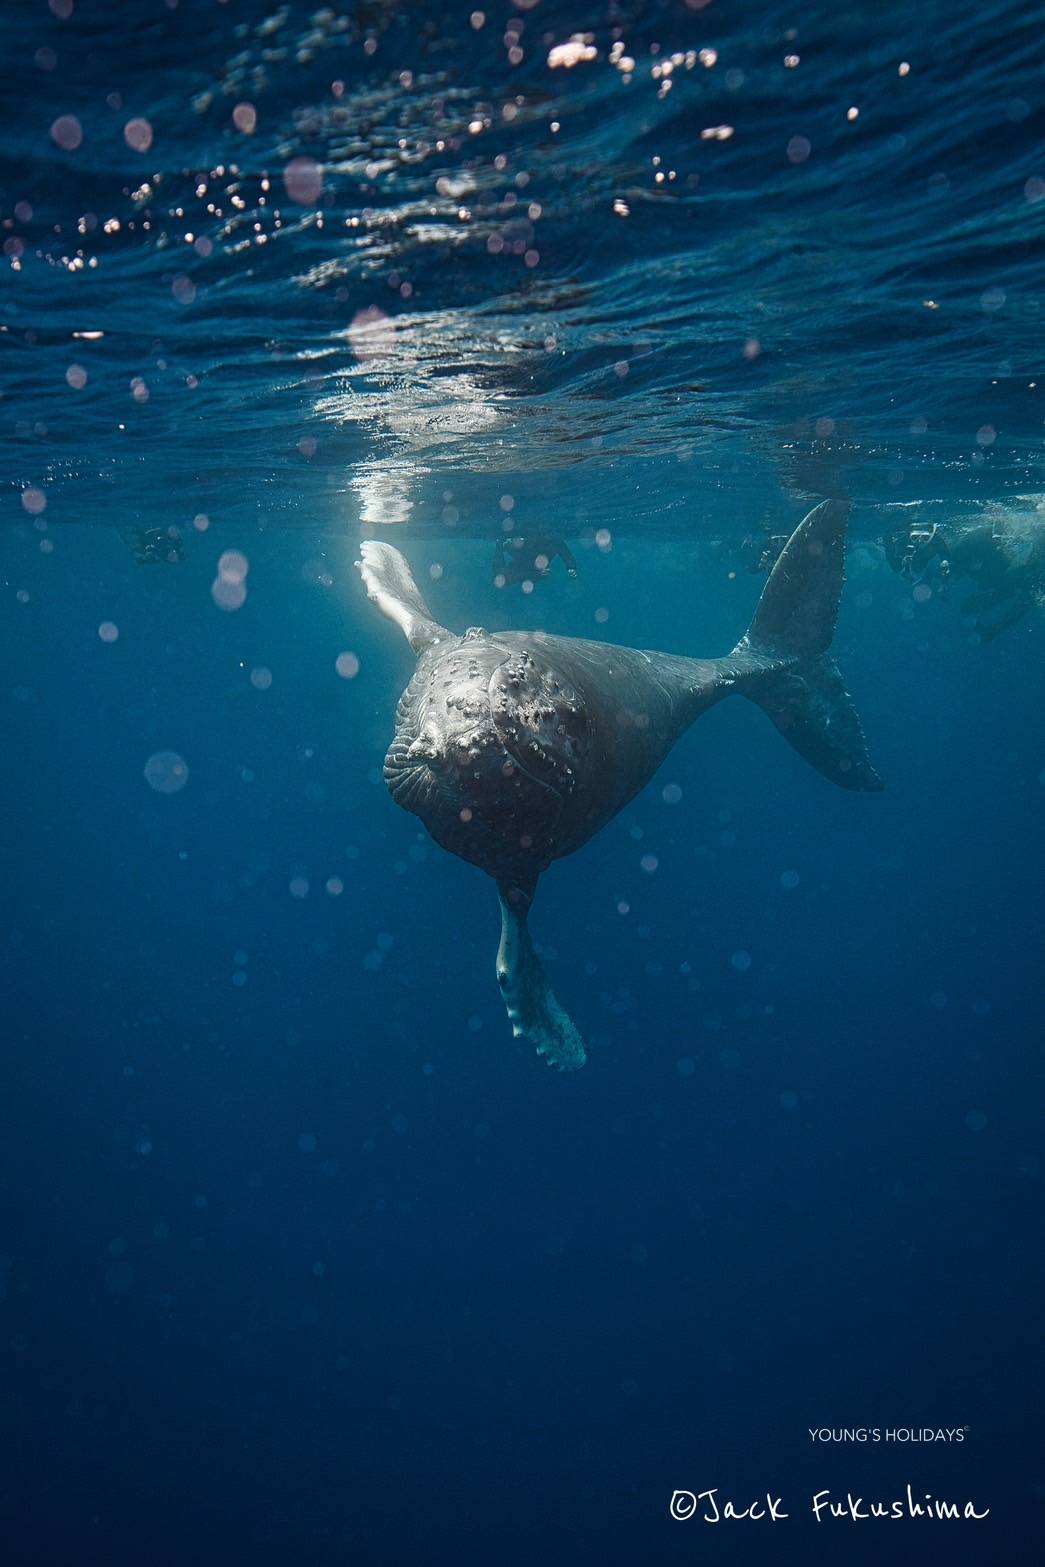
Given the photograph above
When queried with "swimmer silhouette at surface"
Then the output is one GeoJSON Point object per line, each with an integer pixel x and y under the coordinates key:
{"type": "Point", "coordinates": [155, 546]}
{"type": "Point", "coordinates": [1004, 557]}
{"type": "Point", "coordinates": [525, 558]}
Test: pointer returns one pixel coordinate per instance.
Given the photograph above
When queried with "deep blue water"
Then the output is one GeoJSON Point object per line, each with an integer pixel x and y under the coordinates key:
{"type": "Point", "coordinates": [302, 1257]}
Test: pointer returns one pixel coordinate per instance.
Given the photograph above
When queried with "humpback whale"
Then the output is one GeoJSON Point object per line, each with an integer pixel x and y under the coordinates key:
{"type": "Point", "coordinates": [515, 747]}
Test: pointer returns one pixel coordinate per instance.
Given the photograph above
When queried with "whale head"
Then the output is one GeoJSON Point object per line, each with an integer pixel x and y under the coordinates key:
{"type": "Point", "coordinates": [468, 760]}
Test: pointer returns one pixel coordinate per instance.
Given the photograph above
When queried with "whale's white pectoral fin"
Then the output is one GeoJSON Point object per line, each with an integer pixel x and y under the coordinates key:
{"type": "Point", "coordinates": [391, 587]}
{"type": "Point", "coordinates": [533, 1008]}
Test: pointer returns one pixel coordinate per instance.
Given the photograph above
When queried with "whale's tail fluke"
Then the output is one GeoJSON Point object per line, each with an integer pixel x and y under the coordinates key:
{"type": "Point", "coordinates": [783, 665]}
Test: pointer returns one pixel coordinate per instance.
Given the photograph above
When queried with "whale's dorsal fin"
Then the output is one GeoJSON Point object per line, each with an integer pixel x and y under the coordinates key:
{"type": "Point", "coordinates": [391, 587]}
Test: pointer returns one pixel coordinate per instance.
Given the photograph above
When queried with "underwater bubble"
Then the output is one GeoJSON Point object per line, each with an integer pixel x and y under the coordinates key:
{"type": "Point", "coordinates": [789, 1099]}
{"type": "Point", "coordinates": [789, 879]}
{"type": "Point", "coordinates": [335, 886]}
{"type": "Point", "coordinates": [299, 887]}
{"type": "Point", "coordinates": [938, 999]}
{"type": "Point", "coordinates": [34, 501]}
{"type": "Point", "coordinates": [166, 772]}
{"type": "Point", "coordinates": [245, 118]}
{"type": "Point", "coordinates": [976, 1121]}
{"type": "Point", "coordinates": [76, 376]}
{"type": "Point", "coordinates": [741, 961]}
{"type": "Point", "coordinates": [261, 678]}
{"type": "Point", "coordinates": [138, 135]}
{"type": "Point", "coordinates": [67, 132]}
{"type": "Point", "coordinates": [347, 665]}
{"type": "Point", "coordinates": [671, 794]}
{"type": "Point", "coordinates": [303, 180]}
{"type": "Point", "coordinates": [233, 565]}
{"type": "Point", "coordinates": [922, 593]}
{"type": "Point", "coordinates": [228, 594]}
{"type": "Point", "coordinates": [308, 1142]}
{"type": "Point", "coordinates": [108, 631]}
{"type": "Point", "coordinates": [685, 1066]}
{"type": "Point", "coordinates": [649, 863]}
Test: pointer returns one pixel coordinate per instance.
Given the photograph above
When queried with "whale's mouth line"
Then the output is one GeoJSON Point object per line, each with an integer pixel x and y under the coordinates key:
{"type": "Point", "coordinates": [412, 782]}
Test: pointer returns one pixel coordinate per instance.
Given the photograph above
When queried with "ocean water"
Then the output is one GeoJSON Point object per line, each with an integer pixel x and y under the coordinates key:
{"type": "Point", "coordinates": [302, 1255]}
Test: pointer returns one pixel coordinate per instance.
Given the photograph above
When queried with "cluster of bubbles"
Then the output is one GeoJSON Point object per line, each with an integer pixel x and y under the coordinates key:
{"type": "Point", "coordinates": [229, 588]}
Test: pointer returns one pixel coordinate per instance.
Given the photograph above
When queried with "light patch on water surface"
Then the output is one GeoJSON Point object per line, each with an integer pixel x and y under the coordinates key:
{"type": "Point", "coordinates": [577, 50]}
{"type": "Point", "coordinates": [384, 494]}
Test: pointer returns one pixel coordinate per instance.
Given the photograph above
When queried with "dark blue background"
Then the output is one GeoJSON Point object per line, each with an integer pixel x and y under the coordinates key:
{"type": "Point", "coordinates": [498, 1311]}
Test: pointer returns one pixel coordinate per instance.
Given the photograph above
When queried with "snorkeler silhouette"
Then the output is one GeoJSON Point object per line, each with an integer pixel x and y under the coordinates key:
{"type": "Point", "coordinates": [155, 546]}
{"type": "Point", "coordinates": [524, 559]}
{"type": "Point", "coordinates": [1004, 557]}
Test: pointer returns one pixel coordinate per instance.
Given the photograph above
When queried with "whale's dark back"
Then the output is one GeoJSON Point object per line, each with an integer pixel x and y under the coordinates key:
{"type": "Point", "coordinates": [560, 733]}
{"type": "Point", "coordinates": [634, 705]}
